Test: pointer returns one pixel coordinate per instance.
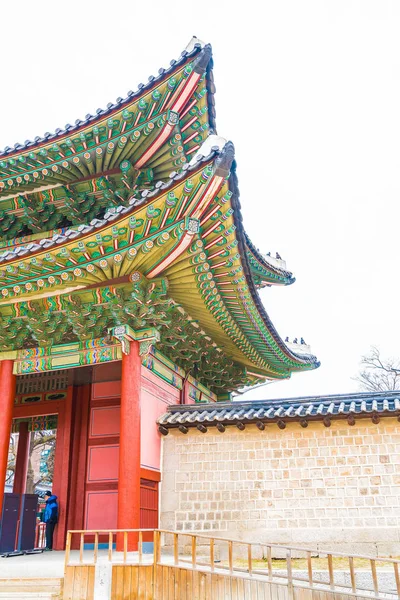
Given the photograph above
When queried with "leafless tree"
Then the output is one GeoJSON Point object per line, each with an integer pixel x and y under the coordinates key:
{"type": "Point", "coordinates": [378, 374]}
{"type": "Point", "coordinates": [39, 440]}
{"type": "Point", "coordinates": [12, 457]}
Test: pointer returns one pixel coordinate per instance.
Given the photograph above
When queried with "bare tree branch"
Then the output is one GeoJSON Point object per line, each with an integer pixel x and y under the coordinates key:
{"type": "Point", "coordinates": [378, 374]}
{"type": "Point", "coordinates": [39, 440]}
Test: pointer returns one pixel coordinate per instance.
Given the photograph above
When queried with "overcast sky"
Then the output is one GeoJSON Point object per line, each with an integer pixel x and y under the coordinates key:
{"type": "Point", "coordinates": [309, 92]}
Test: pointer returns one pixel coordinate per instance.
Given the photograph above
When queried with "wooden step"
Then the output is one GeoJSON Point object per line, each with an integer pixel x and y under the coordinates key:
{"type": "Point", "coordinates": [29, 596]}
{"type": "Point", "coordinates": [31, 588]}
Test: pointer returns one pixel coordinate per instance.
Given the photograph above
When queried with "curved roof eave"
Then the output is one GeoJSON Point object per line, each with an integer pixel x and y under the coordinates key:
{"type": "Point", "coordinates": [311, 360]}
{"type": "Point", "coordinates": [225, 161]}
{"type": "Point", "coordinates": [193, 49]}
{"type": "Point", "coordinates": [288, 277]}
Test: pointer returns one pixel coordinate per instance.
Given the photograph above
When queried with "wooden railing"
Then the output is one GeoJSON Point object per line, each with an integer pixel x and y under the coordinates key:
{"type": "Point", "coordinates": [106, 537]}
{"type": "Point", "coordinates": [335, 572]}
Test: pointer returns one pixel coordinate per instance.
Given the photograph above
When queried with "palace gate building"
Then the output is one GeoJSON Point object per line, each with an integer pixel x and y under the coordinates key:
{"type": "Point", "coordinates": [127, 284]}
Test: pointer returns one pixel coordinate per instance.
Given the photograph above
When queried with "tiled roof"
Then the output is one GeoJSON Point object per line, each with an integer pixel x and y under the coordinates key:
{"type": "Point", "coordinates": [268, 264]}
{"type": "Point", "coordinates": [283, 411]}
{"type": "Point", "coordinates": [240, 232]}
{"type": "Point", "coordinates": [74, 232]}
{"type": "Point", "coordinates": [89, 119]}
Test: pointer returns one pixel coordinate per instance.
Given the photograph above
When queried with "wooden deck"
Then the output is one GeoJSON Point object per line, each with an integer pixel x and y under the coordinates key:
{"type": "Point", "coordinates": [194, 567]}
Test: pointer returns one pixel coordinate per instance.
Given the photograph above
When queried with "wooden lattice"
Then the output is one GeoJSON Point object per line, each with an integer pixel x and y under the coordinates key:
{"type": "Point", "coordinates": [42, 382]}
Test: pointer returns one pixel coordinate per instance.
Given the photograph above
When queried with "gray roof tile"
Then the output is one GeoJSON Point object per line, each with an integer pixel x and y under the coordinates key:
{"type": "Point", "coordinates": [291, 409]}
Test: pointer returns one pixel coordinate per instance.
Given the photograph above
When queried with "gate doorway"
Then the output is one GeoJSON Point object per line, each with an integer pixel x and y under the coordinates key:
{"type": "Point", "coordinates": [31, 455]}
{"type": "Point", "coordinates": [40, 440]}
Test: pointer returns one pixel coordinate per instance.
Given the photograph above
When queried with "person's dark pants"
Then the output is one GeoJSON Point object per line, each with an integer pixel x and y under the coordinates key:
{"type": "Point", "coordinates": [49, 534]}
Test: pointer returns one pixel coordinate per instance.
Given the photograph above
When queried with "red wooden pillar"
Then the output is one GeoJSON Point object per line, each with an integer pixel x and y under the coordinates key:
{"type": "Point", "coordinates": [79, 445]}
{"type": "Point", "coordinates": [129, 447]}
{"type": "Point", "coordinates": [21, 464]}
{"type": "Point", "coordinates": [62, 465]}
{"type": "Point", "coordinates": [7, 396]}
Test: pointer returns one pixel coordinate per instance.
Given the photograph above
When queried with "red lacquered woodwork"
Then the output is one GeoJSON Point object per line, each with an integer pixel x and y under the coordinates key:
{"type": "Point", "coordinates": [21, 464]}
{"type": "Point", "coordinates": [105, 421]}
{"type": "Point", "coordinates": [7, 384]}
{"type": "Point", "coordinates": [129, 446]}
{"type": "Point", "coordinates": [103, 463]}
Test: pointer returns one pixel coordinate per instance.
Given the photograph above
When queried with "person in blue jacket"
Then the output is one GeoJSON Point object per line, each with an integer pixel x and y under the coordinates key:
{"type": "Point", "coordinates": [50, 517]}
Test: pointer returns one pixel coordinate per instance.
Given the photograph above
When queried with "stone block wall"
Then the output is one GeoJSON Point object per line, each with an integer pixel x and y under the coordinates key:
{"type": "Point", "coordinates": [332, 488]}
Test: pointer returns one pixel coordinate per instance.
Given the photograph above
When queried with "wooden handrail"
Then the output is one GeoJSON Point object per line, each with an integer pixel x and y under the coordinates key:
{"type": "Point", "coordinates": [270, 574]}
{"type": "Point", "coordinates": [279, 546]}
{"type": "Point", "coordinates": [113, 531]}
{"type": "Point", "coordinates": [235, 541]}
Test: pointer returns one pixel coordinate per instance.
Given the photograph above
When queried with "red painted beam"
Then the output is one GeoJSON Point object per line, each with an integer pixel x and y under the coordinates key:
{"type": "Point", "coordinates": [7, 396]}
{"type": "Point", "coordinates": [150, 474]}
{"type": "Point", "coordinates": [23, 411]}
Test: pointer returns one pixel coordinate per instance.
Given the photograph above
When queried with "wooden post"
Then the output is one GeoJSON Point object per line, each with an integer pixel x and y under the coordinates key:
{"type": "Point", "coordinates": [374, 577]}
{"type": "Point", "coordinates": [21, 464]}
{"type": "Point", "coordinates": [110, 544]}
{"type": "Point", "coordinates": [125, 545]}
{"type": "Point", "coordinates": [249, 560]}
{"type": "Point", "coordinates": [156, 541]}
{"type": "Point", "coordinates": [81, 545]}
{"type": "Point", "coordinates": [230, 556]}
{"type": "Point", "coordinates": [352, 574]}
{"type": "Point", "coordinates": [331, 575]}
{"type": "Point", "coordinates": [194, 551]}
{"type": "Point", "coordinates": [289, 574]}
{"type": "Point", "coordinates": [68, 548]}
{"type": "Point", "coordinates": [309, 568]}
{"type": "Point", "coordinates": [269, 559]}
{"type": "Point", "coordinates": [96, 547]}
{"type": "Point", "coordinates": [397, 577]}
{"type": "Point", "coordinates": [176, 550]}
{"type": "Point", "coordinates": [129, 447]}
{"type": "Point", "coordinates": [7, 397]}
{"type": "Point", "coordinates": [140, 547]}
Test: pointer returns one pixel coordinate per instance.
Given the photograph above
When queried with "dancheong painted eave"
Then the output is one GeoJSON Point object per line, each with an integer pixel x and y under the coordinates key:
{"type": "Point", "coordinates": [151, 239]}
{"type": "Point", "coordinates": [211, 280]}
{"type": "Point", "coordinates": [157, 128]}
{"type": "Point", "coordinates": [267, 270]}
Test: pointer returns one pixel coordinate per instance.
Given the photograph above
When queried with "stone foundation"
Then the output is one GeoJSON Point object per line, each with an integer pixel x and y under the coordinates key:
{"type": "Point", "coordinates": [334, 488]}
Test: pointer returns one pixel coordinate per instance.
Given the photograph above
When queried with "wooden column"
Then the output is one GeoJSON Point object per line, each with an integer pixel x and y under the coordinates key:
{"type": "Point", "coordinates": [21, 464]}
{"type": "Point", "coordinates": [80, 422]}
{"type": "Point", "coordinates": [62, 466]}
{"type": "Point", "coordinates": [7, 397]}
{"type": "Point", "coordinates": [129, 446]}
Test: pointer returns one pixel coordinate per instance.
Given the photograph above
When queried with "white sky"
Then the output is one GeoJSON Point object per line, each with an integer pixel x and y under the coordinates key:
{"type": "Point", "coordinates": [309, 92]}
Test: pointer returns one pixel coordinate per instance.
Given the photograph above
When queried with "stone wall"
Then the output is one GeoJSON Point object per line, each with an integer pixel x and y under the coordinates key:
{"type": "Point", "coordinates": [335, 488]}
